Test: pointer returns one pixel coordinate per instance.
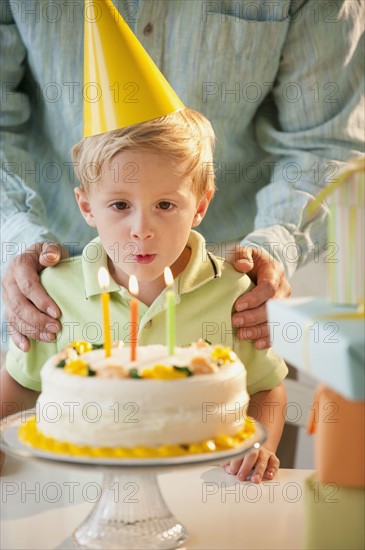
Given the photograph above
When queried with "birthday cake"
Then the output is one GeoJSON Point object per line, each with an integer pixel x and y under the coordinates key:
{"type": "Point", "coordinates": [160, 405]}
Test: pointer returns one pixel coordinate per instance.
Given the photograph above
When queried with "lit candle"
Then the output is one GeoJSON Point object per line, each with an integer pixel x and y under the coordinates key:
{"type": "Point", "coordinates": [170, 312]}
{"type": "Point", "coordinates": [103, 279]}
{"type": "Point", "coordinates": [133, 333]}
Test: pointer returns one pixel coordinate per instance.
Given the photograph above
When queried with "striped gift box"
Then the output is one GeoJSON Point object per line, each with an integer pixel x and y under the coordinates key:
{"type": "Point", "coordinates": [345, 258]}
{"type": "Point", "coordinates": [346, 230]}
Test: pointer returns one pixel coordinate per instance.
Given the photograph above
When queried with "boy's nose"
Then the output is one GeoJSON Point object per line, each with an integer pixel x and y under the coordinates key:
{"type": "Point", "coordinates": [141, 229]}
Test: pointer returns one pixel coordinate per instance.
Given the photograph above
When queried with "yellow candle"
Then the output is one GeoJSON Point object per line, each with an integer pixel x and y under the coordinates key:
{"type": "Point", "coordinates": [103, 279]}
{"type": "Point", "coordinates": [170, 312]}
{"type": "Point", "coordinates": [133, 333]}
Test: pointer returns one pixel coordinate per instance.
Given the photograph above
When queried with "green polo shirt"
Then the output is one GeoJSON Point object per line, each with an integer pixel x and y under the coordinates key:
{"type": "Point", "coordinates": [205, 293]}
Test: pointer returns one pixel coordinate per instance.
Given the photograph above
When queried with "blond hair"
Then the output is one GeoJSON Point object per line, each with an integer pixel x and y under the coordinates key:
{"type": "Point", "coordinates": [186, 136]}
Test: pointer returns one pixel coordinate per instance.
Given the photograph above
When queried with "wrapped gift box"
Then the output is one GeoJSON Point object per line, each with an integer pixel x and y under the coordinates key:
{"type": "Point", "coordinates": [345, 257]}
{"type": "Point", "coordinates": [322, 339]}
{"type": "Point", "coordinates": [339, 425]}
{"type": "Point", "coordinates": [346, 225]}
{"type": "Point", "coordinates": [334, 516]}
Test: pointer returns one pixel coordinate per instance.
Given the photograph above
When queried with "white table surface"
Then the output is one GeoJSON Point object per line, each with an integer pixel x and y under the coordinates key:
{"type": "Point", "coordinates": [42, 504]}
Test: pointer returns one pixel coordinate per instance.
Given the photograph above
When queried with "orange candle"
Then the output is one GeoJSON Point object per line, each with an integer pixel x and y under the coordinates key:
{"type": "Point", "coordinates": [133, 333]}
{"type": "Point", "coordinates": [103, 279]}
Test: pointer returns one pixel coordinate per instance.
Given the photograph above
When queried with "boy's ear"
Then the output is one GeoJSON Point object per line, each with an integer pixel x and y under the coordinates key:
{"type": "Point", "coordinates": [85, 206]}
{"type": "Point", "coordinates": [202, 208]}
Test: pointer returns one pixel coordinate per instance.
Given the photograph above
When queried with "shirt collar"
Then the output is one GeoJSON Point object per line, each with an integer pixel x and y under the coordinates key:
{"type": "Point", "coordinates": [94, 257]}
{"type": "Point", "coordinates": [202, 267]}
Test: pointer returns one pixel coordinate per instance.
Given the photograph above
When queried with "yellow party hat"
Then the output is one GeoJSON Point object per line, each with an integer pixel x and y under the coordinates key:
{"type": "Point", "coordinates": [122, 85]}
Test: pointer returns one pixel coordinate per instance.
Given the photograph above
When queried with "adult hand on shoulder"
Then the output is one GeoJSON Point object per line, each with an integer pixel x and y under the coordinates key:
{"type": "Point", "coordinates": [31, 313]}
{"type": "Point", "coordinates": [269, 276]}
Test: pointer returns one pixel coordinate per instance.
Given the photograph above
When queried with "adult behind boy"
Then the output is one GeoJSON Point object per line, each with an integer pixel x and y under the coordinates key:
{"type": "Point", "coordinates": [280, 81]}
{"type": "Point", "coordinates": [170, 194]}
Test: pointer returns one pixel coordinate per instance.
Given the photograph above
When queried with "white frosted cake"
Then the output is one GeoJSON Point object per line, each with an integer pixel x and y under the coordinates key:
{"type": "Point", "coordinates": [165, 403]}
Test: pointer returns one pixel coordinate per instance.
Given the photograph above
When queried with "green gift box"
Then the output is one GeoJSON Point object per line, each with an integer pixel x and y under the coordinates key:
{"type": "Point", "coordinates": [334, 516]}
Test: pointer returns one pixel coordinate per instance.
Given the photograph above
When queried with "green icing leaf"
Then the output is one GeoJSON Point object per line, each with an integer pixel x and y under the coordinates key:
{"type": "Point", "coordinates": [183, 369]}
{"type": "Point", "coordinates": [61, 364]}
{"type": "Point", "coordinates": [133, 373]}
{"type": "Point", "coordinates": [97, 346]}
{"type": "Point", "coordinates": [90, 372]}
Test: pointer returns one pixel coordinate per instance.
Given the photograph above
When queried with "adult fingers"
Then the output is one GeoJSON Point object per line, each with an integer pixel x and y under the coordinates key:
{"type": "Point", "coordinates": [259, 335]}
{"type": "Point", "coordinates": [239, 256]}
{"type": "Point", "coordinates": [30, 311]}
{"type": "Point", "coordinates": [258, 332]}
{"type": "Point", "coordinates": [250, 318]}
{"type": "Point", "coordinates": [19, 339]}
{"type": "Point", "coordinates": [22, 277]}
{"type": "Point", "coordinates": [252, 325]}
{"type": "Point", "coordinates": [265, 290]}
{"type": "Point", "coordinates": [38, 305]}
{"type": "Point", "coordinates": [51, 254]}
{"type": "Point", "coordinates": [243, 260]}
{"type": "Point", "coordinates": [25, 319]}
{"type": "Point", "coordinates": [22, 310]}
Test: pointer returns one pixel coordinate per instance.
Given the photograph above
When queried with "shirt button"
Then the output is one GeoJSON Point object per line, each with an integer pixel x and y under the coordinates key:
{"type": "Point", "coordinates": [148, 29]}
{"type": "Point", "coordinates": [148, 324]}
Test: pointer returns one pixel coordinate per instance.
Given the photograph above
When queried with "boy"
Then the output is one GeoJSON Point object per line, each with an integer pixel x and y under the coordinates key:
{"type": "Point", "coordinates": [144, 187]}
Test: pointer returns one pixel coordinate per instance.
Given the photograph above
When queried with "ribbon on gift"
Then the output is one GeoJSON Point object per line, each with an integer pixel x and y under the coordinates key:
{"type": "Point", "coordinates": [358, 165]}
{"type": "Point", "coordinates": [358, 314]}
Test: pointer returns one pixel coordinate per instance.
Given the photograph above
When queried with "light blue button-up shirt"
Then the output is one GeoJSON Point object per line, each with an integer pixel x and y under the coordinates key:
{"type": "Point", "coordinates": [281, 82]}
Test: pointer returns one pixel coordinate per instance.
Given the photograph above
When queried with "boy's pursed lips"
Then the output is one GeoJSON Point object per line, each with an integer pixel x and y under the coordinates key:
{"type": "Point", "coordinates": [144, 258]}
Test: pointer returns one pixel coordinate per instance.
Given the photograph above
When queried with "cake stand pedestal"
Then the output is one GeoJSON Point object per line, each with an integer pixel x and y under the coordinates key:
{"type": "Point", "coordinates": [131, 512]}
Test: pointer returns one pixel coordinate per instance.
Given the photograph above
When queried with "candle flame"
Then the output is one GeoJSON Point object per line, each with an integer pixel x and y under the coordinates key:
{"type": "Point", "coordinates": [103, 278]}
{"type": "Point", "coordinates": [133, 285]}
{"type": "Point", "coordinates": [169, 280]}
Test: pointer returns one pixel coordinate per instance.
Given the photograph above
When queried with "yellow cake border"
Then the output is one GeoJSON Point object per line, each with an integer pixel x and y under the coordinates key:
{"type": "Point", "coordinates": [30, 435]}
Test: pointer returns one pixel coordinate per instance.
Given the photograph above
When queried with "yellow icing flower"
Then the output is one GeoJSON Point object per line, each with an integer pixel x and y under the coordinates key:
{"type": "Point", "coordinates": [77, 367]}
{"type": "Point", "coordinates": [163, 372]}
{"type": "Point", "coordinates": [147, 373]}
{"type": "Point", "coordinates": [81, 347]}
{"type": "Point", "coordinates": [224, 354]}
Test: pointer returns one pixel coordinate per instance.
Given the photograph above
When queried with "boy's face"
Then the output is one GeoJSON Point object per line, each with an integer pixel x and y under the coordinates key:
{"type": "Point", "coordinates": [143, 211]}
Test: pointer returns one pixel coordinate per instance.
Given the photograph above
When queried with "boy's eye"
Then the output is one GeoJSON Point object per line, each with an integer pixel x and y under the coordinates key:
{"type": "Point", "coordinates": [165, 205]}
{"type": "Point", "coordinates": [120, 205]}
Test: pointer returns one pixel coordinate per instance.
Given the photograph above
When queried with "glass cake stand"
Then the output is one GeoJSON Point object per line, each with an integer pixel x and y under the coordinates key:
{"type": "Point", "coordinates": [142, 519]}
